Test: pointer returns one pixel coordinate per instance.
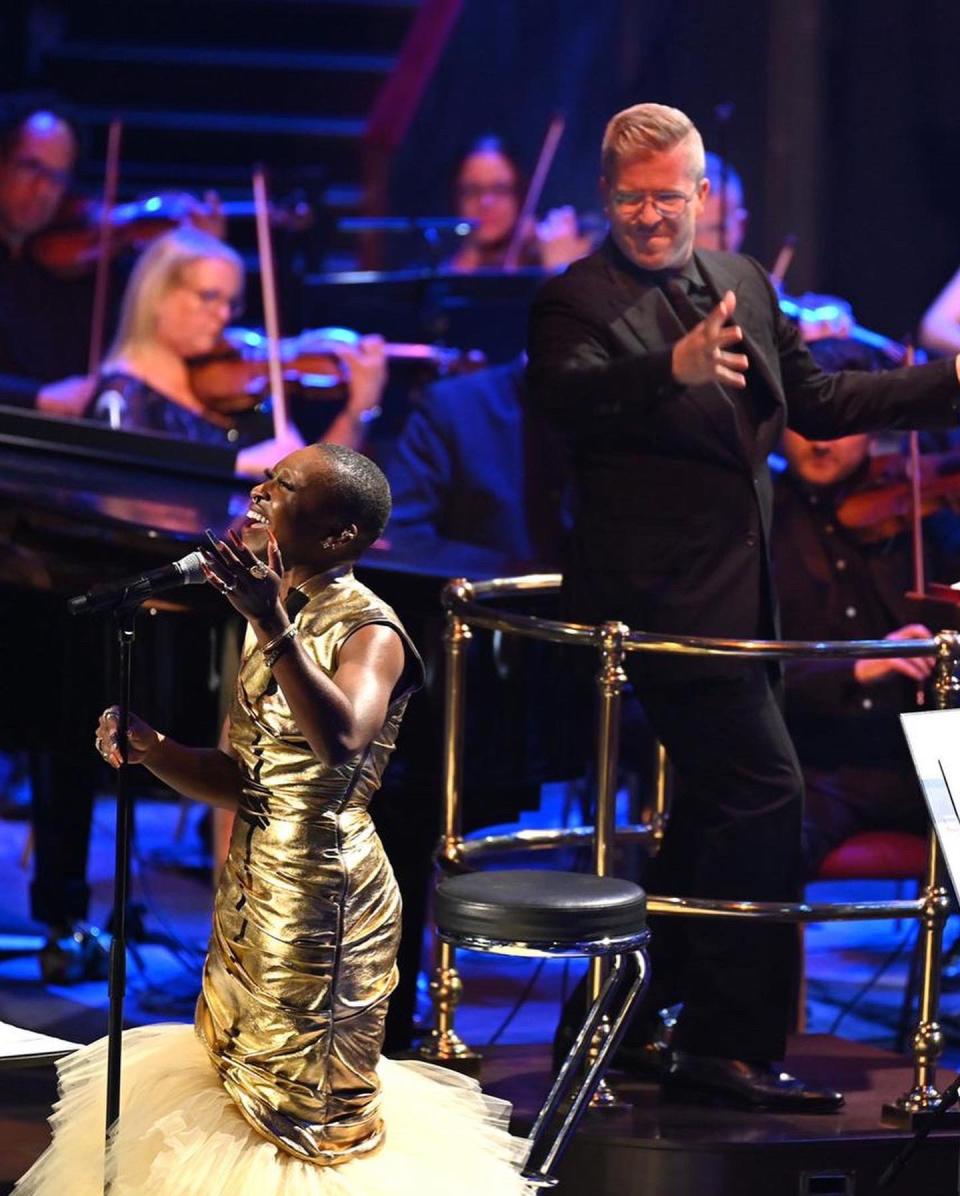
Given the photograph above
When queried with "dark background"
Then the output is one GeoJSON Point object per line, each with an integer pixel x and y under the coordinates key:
{"type": "Point", "coordinates": [845, 126]}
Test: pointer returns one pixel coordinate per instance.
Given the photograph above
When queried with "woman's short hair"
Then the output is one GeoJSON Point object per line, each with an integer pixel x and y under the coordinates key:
{"type": "Point", "coordinates": [646, 129]}
{"type": "Point", "coordinates": [358, 491]}
{"type": "Point", "coordinates": [160, 268]}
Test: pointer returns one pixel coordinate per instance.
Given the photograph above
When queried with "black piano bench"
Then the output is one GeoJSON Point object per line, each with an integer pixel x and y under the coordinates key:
{"type": "Point", "coordinates": [564, 915]}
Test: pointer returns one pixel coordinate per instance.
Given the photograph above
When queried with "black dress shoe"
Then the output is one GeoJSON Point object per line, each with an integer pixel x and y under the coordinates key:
{"type": "Point", "coordinates": [705, 1078]}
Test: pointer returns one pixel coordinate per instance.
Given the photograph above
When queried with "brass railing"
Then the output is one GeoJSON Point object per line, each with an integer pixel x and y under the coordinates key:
{"type": "Point", "coordinates": [467, 606]}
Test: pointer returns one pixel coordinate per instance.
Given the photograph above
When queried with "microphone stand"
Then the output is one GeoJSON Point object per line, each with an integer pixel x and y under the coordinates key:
{"type": "Point", "coordinates": [935, 1119]}
{"type": "Point", "coordinates": [125, 614]}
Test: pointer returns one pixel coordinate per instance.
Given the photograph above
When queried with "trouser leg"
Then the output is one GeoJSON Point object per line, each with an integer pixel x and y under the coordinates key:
{"type": "Point", "coordinates": [734, 833]}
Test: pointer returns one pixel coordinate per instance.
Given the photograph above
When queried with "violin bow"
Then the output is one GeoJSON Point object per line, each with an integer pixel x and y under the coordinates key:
{"type": "Point", "coordinates": [916, 499]}
{"type": "Point", "coordinates": [547, 152]}
{"type": "Point", "coordinates": [268, 287]}
{"type": "Point", "coordinates": [784, 259]}
{"type": "Point", "coordinates": [102, 277]}
{"type": "Point", "coordinates": [916, 515]}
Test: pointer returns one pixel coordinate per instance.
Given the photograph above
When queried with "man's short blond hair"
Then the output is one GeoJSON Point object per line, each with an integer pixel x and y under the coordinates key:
{"type": "Point", "coordinates": [645, 129]}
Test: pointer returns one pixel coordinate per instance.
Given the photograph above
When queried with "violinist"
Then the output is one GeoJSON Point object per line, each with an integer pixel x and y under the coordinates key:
{"type": "Point", "coordinates": [44, 318]}
{"type": "Point", "coordinates": [489, 187]}
{"type": "Point", "coordinates": [182, 292]}
{"type": "Point", "coordinates": [833, 583]}
{"type": "Point", "coordinates": [723, 224]}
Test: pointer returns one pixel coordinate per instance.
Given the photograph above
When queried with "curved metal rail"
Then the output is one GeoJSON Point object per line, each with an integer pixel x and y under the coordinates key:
{"type": "Point", "coordinates": [468, 605]}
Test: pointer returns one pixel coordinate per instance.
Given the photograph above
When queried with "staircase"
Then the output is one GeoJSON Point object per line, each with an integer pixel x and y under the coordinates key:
{"type": "Point", "coordinates": [206, 88]}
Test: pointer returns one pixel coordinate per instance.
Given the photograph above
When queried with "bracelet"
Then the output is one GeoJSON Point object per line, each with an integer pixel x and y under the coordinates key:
{"type": "Point", "coordinates": [277, 646]}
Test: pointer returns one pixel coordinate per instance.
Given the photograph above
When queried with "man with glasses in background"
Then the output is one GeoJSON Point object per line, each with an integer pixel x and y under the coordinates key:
{"type": "Point", "coordinates": [44, 316]}
{"type": "Point", "coordinates": [672, 373]}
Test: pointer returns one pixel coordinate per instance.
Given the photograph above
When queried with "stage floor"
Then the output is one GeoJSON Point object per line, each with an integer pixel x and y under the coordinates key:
{"type": "Point", "coordinates": [652, 1148]}
{"type": "Point", "coordinates": [649, 1148]}
{"type": "Point", "coordinates": [855, 975]}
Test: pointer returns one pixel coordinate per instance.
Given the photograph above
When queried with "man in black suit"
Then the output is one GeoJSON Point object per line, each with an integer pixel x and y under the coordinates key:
{"type": "Point", "coordinates": [671, 409]}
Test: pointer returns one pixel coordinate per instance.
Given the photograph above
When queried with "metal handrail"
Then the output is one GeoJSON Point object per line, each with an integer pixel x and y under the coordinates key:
{"type": "Point", "coordinates": [466, 607]}
{"type": "Point", "coordinates": [461, 596]}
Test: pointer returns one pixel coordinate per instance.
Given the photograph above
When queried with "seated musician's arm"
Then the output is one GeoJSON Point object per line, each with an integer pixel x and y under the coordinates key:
{"type": "Point", "coordinates": [823, 405]}
{"type": "Point", "coordinates": [366, 364]}
{"type": "Point", "coordinates": [575, 370]}
{"type": "Point", "coordinates": [940, 327]}
{"type": "Point", "coordinates": [253, 460]}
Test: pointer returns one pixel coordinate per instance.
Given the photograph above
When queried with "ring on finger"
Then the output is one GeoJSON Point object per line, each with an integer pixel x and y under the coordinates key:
{"type": "Point", "coordinates": [259, 570]}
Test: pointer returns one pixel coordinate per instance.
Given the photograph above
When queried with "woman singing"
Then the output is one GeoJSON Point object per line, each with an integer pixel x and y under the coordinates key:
{"type": "Point", "coordinates": [279, 1087]}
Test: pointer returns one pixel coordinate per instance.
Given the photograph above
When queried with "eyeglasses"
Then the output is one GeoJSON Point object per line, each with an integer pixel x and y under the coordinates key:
{"type": "Point", "coordinates": [38, 170]}
{"type": "Point", "coordinates": [665, 203]}
{"type": "Point", "coordinates": [211, 297]}
{"type": "Point", "coordinates": [494, 190]}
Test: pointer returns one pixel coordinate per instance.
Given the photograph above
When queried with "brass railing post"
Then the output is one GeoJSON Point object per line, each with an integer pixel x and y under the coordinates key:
{"type": "Point", "coordinates": [927, 1042]}
{"type": "Point", "coordinates": [610, 680]}
{"type": "Point", "coordinates": [444, 1044]}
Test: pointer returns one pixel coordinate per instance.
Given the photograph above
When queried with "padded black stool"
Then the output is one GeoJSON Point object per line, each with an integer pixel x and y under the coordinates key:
{"type": "Point", "coordinates": [560, 915]}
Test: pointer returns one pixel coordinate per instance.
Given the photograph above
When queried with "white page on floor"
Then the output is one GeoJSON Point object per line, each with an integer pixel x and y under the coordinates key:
{"type": "Point", "coordinates": [933, 737]}
{"type": "Point", "coordinates": [17, 1043]}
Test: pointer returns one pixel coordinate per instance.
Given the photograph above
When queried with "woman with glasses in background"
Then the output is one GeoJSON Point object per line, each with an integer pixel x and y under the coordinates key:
{"type": "Point", "coordinates": [489, 188]}
{"type": "Point", "coordinates": [182, 293]}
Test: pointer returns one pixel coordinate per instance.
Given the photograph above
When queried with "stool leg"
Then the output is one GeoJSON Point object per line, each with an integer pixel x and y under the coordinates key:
{"type": "Point", "coordinates": [542, 1174]}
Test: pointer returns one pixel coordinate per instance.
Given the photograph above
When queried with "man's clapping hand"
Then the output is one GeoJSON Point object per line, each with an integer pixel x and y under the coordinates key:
{"type": "Point", "coordinates": [702, 355]}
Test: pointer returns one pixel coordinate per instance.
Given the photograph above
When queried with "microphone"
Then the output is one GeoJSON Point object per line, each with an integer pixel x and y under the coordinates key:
{"type": "Point", "coordinates": [188, 571]}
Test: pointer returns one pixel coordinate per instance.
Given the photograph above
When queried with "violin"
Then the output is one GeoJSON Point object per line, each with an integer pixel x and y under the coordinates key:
{"type": "Point", "coordinates": [885, 508]}
{"type": "Point", "coordinates": [71, 247]}
{"type": "Point", "coordinates": [235, 377]}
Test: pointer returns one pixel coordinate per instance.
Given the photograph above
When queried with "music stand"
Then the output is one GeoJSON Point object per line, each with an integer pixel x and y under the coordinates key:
{"type": "Point", "coordinates": [933, 737]}
{"type": "Point", "coordinates": [28, 1048]}
{"type": "Point", "coordinates": [486, 310]}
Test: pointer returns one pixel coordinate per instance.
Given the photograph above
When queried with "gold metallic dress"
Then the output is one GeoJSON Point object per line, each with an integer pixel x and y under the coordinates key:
{"type": "Point", "coordinates": [301, 963]}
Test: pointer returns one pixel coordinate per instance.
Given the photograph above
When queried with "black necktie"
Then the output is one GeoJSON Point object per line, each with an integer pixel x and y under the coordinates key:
{"type": "Point", "coordinates": [686, 310]}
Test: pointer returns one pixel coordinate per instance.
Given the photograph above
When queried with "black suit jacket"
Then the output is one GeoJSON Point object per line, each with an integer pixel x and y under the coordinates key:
{"type": "Point", "coordinates": [674, 503]}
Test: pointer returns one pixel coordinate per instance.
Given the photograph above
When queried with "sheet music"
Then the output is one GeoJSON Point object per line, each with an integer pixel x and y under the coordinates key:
{"type": "Point", "coordinates": [933, 737]}
{"type": "Point", "coordinates": [17, 1043]}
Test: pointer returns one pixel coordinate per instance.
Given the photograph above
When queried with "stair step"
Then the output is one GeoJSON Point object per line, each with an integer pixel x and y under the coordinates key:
{"type": "Point", "coordinates": [186, 151]}
{"type": "Point", "coordinates": [374, 25]}
{"type": "Point", "coordinates": [273, 124]}
{"type": "Point", "coordinates": [339, 85]}
{"type": "Point", "coordinates": [155, 54]}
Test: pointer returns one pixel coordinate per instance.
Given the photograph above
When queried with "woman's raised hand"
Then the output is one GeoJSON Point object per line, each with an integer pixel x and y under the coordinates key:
{"type": "Point", "coordinates": [249, 585]}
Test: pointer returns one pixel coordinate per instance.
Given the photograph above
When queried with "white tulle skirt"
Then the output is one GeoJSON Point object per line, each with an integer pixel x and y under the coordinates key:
{"type": "Point", "coordinates": [181, 1135]}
